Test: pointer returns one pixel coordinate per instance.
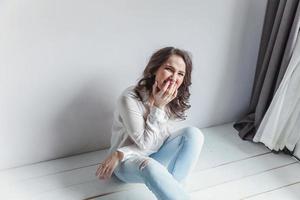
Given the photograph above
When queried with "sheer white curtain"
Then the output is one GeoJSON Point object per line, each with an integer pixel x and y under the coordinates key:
{"type": "Point", "coordinates": [280, 126]}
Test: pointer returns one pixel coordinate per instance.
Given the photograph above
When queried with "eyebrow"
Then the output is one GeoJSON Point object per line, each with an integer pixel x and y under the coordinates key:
{"type": "Point", "coordinates": [174, 68]}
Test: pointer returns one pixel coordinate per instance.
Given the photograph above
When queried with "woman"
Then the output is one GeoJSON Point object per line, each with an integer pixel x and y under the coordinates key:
{"type": "Point", "coordinates": [143, 150]}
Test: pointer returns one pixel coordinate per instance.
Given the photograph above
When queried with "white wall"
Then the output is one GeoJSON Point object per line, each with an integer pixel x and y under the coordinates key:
{"type": "Point", "coordinates": [64, 62]}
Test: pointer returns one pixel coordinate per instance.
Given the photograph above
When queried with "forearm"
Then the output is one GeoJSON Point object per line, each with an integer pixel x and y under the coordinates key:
{"type": "Point", "coordinates": [144, 132]}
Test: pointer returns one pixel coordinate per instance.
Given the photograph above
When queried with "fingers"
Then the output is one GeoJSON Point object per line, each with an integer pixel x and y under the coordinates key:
{"type": "Point", "coordinates": [170, 91]}
{"type": "Point", "coordinates": [166, 94]}
{"type": "Point", "coordinates": [98, 169]}
{"type": "Point", "coordinates": [154, 89]}
{"type": "Point", "coordinates": [174, 95]}
{"type": "Point", "coordinates": [174, 88]}
{"type": "Point", "coordinates": [165, 87]}
{"type": "Point", "coordinates": [103, 171]}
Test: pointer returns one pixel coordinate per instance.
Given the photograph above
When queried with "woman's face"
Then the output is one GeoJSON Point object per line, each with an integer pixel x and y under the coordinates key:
{"type": "Point", "coordinates": [173, 69]}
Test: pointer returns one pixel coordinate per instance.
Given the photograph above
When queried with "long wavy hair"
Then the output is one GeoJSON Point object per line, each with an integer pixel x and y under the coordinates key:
{"type": "Point", "coordinates": [177, 107]}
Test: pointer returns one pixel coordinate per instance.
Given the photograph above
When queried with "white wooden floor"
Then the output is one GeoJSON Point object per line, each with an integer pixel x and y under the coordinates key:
{"type": "Point", "coordinates": [228, 168]}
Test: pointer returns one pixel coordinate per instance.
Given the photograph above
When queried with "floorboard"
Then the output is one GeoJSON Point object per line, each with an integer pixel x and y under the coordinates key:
{"type": "Point", "coordinates": [228, 168]}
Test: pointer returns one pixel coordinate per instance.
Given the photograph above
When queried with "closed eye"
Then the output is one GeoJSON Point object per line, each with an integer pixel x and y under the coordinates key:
{"type": "Point", "coordinates": [169, 69]}
{"type": "Point", "coordinates": [172, 70]}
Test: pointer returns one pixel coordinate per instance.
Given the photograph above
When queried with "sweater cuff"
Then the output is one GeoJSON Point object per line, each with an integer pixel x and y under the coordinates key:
{"type": "Point", "coordinates": [127, 152]}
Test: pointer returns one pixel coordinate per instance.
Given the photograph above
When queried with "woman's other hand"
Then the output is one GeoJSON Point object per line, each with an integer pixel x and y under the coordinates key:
{"type": "Point", "coordinates": [107, 166]}
{"type": "Point", "coordinates": [165, 95]}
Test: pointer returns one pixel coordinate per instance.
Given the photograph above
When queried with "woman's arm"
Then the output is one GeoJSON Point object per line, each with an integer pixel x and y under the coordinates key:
{"type": "Point", "coordinates": [144, 132]}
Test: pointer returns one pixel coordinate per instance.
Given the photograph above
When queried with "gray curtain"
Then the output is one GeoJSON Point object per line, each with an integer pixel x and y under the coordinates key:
{"type": "Point", "coordinates": [280, 29]}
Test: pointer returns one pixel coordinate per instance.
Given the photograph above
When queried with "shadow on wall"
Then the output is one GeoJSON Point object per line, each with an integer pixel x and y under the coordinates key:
{"type": "Point", "coordinates": [84, 124]}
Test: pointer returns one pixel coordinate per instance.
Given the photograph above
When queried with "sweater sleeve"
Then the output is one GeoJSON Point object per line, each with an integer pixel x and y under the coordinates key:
{"type": "Point", "coordinates": [128, 151]}
{"type": "Point", "coordinates": [144, 132]}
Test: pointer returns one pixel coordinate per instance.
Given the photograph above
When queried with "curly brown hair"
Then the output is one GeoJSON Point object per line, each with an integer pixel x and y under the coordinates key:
{"type": "Point", "coordinates": [177, 107]}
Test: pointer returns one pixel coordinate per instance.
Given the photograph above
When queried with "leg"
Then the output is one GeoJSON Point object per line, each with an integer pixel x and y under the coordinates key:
{"type": "Point", "coordinates": [156, 177]}
{"type": "Point", "coordinates": [180, 152]}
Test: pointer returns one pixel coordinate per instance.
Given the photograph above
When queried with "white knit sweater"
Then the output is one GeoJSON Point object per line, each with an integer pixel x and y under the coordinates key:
{"type": "Point", "coordinates": [138, 128]}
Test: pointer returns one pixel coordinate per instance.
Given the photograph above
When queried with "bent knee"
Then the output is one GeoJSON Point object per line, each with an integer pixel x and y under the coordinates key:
{"type": "Point", "coordinates": [194, 134]}
{"type": "Point", "coordinates": [149, 167]}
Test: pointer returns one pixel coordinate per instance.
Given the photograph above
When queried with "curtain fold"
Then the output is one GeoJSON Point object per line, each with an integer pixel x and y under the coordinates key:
{"type": "Point", "coordinates": [276, 47]}
{"type": "Point", "coordinates": [280, 127]}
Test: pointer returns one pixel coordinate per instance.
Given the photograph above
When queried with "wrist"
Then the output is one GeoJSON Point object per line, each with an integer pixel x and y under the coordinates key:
{"type": "Point", "coordinates": [159, 106]}
{"type": "Point", "coordinates": [119, 155]}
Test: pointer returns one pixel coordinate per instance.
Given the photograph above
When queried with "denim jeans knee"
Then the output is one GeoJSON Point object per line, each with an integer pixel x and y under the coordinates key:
{"type": "Point", "coordinates": [194, 134]}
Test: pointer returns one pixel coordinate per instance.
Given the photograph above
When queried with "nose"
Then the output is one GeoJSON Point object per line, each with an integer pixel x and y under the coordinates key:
{"type": "Point", "coordinates": [173, 78]}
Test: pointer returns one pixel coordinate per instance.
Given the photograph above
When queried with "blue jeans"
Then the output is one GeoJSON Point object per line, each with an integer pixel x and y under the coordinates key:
{"type": "Point", "coordinates": [164, 170]}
